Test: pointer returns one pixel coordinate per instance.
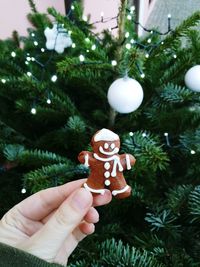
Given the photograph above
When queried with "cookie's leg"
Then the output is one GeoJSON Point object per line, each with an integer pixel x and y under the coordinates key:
{"type": "Point", "coordinates": [94, 185]}
{"type": "Point", "coordinates": [119, 187]}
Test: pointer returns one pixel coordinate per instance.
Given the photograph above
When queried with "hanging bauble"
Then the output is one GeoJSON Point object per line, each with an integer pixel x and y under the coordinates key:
{"type": "Point", "coordinates": [57, 38]}
{"type": "Point", "coordinates": [192, 78]}
{"type": "Point", "coordinates": [125, 95]}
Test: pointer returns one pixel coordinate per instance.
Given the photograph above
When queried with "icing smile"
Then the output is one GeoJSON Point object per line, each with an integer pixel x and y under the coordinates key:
{"type": "Point", "coordinates": [109, 153]}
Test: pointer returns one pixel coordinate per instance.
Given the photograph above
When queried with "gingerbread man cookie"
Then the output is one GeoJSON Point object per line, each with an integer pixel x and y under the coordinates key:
{"type": "Point", "coordinates": [107, 165]}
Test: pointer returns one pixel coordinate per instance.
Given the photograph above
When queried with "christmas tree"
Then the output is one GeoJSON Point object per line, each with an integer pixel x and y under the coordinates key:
{"type": "Point", "coordinates": [53, 99]}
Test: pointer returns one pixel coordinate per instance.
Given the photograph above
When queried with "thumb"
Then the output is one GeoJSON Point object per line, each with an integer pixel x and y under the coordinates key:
{"type": "Point", "coordinates": [49, 239]}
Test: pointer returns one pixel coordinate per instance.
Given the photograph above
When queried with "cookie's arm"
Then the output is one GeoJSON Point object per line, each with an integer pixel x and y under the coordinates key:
{"type": "Point", "coordinates": [85, 157]}
{"type": "Point", "coordinates": [127, 160]}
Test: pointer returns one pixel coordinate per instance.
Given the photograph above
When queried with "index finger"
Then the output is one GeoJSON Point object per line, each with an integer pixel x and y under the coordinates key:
{"type": "Point", "coordinates": [41, 204]}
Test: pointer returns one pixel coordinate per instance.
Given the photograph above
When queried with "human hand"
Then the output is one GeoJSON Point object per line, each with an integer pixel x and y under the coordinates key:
{"type": "Point", "coordinates": [51, 223]}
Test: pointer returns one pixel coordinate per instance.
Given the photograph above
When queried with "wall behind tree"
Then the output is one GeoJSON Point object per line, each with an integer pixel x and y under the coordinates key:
{"type": "Point", "coordinates": [13, 13]}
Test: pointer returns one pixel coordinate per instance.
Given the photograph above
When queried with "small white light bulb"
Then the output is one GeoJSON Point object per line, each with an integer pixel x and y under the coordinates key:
{"type": "Point", "coordinates": [166, 134]}
{"type": "Point", "coordinates": [72, 7]}
{"type": "Point", "coordinates": [87, 40]}
{"type": "Point", "coordinates": [3, 80]}
{"type": "Point", "coordinates": [81, 58]}
{"type": "Point", "coordinates": [54, 78]}
{"type": "Point", "coordinates": [129, 17]}
{"type": "Point", "coordinates": [169, 16]}
{"type": "Point", "coordinates": [70, 33]}
{"type": "Point", "coordinates": [33, 111]}
{"type": "Point", "coordinates": [33, 59]}
{"type": "Point", "coordinates": [127, 34]}
{"type": "Point", "coordinates": [87, 50]}
{"type": "Point", "coordinates": [48, 101]}
{"type": "Point", "coordinates": [35, 43]}
{"type": "Point", "coordinates": [84, 18]}
{"type": "Point", "coordinates": [93, 47]}
{"type": "Point", "coordinates": [26, 62]}
{"type": "Point", "coordinates": [174, 56]}
{"type": "Point", "coordinates": [73, 45]}
{"type": "Point", "coordinates": [13, 54]}
{"type": "Point", "coordinates": [128, 46]}
{"type": "Point", "coordinates": [149, 41]}
{"type": "Point", "coordinates": [142, 75]}
{"type": "Point", "coordinates": [28, 58]}
{"type": "Point", "coordinates": [144, 134]}
{"type": "Point", "coordinates": [29, 74]}
{"type": "Point", "coordinates": [42, 50]}
{"type": "Point", "coordinates": [131, 133]}
{"type": "Point", "coordinates": [132, 9]}
{"type": "Point", "coordinates": [102, 14]}
{"type": "Point", "coordinates": [23, 191]}
{"type": "Point", "coordinates": [132, 41]}
{"type": "Point", "coordinates": [192, 152]}
{"type": "Point", "coordinates": [147, 55]}
{"type": "Point", "coordinates": [114, 63]}
{"type": "Point", "coordinates": [33, 34]}
{"type": "Point", "coordinates": [162, 43]}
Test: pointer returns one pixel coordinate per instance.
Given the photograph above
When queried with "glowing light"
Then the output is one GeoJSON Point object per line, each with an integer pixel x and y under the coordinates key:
{"type": "Point", "coordinates": [114, 63]}
{"type": "Point", "coordinates": [129, 17]}
{"type": "Point", "coordinates": [3, 80]}
{"type": "Point", "coordinates": [72, 7]}
{"type": "Point", "coordinates": [128, 46]}
{"type": "Point", "coordinates": [33, 34]}
{"type": "Point", "coordinates": [166, 134]}
{"type": "Point", "coordinates": [29, 74]}
{"type": "Point", "coordinates": [93, 47]}
{"type": "Point", "coordinates": [81, 58]}
{"type": "Point", "coordinates": [35, 43]}
{"type": "Point", "coordinates": [73, 45]}
{"type": "Point", "coordinates": [48, 101]}
{"type": "Point", "coordinates": [84, 18]}
{"type": "Point", "coordinates": [144, 134]}
{"type": "Point", "coordinates": [23, 191]}
{"type": "Point", "coordinates": [169, 16]}
{"type": "Point", "coordinates": [192, 152]}
{"type": "Point", "coordinates": [149, 41]}
{"type": "Point", "coordinates": [33, 111]}
{"type": "Point", "coordinates": [54, 78]}
{"type": "Point", "coordinates": [147, 55]}
{"type": "Point", "coordinates": [142, 75]}
{"type": "Point", "coordinates": [127, 34]}
{"type": "Point", "coordinates": [13, 54]}
{"type": "Point", "coordinates": [42, 50]}
{"type": "Point", "coordinates": [131, 133]}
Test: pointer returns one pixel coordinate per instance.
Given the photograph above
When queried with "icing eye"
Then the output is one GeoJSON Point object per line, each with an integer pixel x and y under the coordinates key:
{"type": "Point", "coordinates": [106, 145]}
{"type": "Point", "coordinates": [112, 145]}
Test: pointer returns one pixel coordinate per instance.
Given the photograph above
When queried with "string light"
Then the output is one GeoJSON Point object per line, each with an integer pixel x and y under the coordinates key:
{"type": "Point", "coordinates": [132, 9]}
{"type": "Point", "coordinates": [87, 40]}
{"type": "Point", "coordinates": [3, 80]}
{"type": "Point", "coordinates": [70, 33]}
{"type": "Point", "coordinates": [35, 43]}
{"type": "Point", "coordinates": [33, 111]}
{"type": "Point", "coordinates": [81, 58]}
{"type": "Point", "coordinates": [72, 7]}
{"type": "Point", "coordinates": [128, 46]}
{"type": "Point", "coordinates": [26, 62]}
{"type": "Point", "coordinates": [87, 50]}
{"type": "Point", "coordinates": [93, 47]}
{"type": "Point", "coordinates": [33, 34]}
{"type": "Point", "coordinates": [54, 78]}
{"type": "Point", "coordinates": [73, 45]}
{"type": "Point", "coordinates": [169, 16]}
{"type": "Point", "coordinates": [174, 56]}
{"type": "Point", "coordinates": [166, 134]}
{"type": "Point", "coordinates": [142, 75]}
{"type": "Point", "coordinates": [85, 18]}
{"type": "Point", "coordinates": [28, 58]}
{"type": "Point", "coordinates": [129, 17]}
{"type": "Point", "coordinates": [147, 55]}
{"type": "Point", "coordinates": [127, 34]}
{"type": "Point", "coordinates": [144, 135]}
{"type": "Point", "coordinates": [102, 15]}
{"type": "Point", "coordinates": [42, 50]}
{"type": "Point", "coordinates": [29, 74]}
{"type": "Point", "coordinates": [33, 59]}
{"type": "Point", "coordinates": [131, 133]}
{"type": "Point", "coordinates": [132, 41]}
{"type": "Point", "coordinates": [114, 63]}
{"type": "Point", "coordinates": [149, 41]}
{"type": "Point", "coordinates": [13, 54]}
{"type": "Point", "coordinates": [192, 152]}
{"type": "Point", "coordinates": [23, 191]}
{"type": "Point", "coordinates": [49, 101]}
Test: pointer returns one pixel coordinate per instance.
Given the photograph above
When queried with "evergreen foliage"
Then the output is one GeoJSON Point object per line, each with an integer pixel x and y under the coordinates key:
{"type": "Point", "coordinates": [159, 225]}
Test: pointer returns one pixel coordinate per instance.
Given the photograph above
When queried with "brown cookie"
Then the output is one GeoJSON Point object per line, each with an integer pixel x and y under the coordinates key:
{"type": "Point", "coordinates": [107, 165]}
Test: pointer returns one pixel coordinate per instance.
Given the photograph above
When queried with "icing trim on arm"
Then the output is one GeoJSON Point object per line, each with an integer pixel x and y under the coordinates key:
{"type": "Point", "coordinates": [86, 163]}
{"type": "Point", "coordinates": [116, 192]}
{"type": "Point", "coordinates": [128, 162]}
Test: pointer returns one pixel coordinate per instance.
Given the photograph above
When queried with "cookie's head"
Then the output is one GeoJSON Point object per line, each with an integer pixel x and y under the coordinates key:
{"type": "Point", "coordinates": [106, 143]}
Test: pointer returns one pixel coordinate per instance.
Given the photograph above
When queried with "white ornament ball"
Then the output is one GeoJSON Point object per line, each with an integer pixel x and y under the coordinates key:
{"type": "Point", "coordinates": [125, 95]}
{"type": "Point", "coordinates": [192, 78]}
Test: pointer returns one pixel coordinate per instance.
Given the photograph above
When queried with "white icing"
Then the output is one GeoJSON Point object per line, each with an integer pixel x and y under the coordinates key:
{"type": "Point", "coordinates": [115, 151]}
{"type": "Point", "coordinates": [107, 182]}
{"type": "Point", "coordinates": [107, 166]}
{"type": "Point", "coordinates": [116, 192]}
{"type": "Point", "coordinates": [106, 135]}
{"type": "Point", "coordinates": [112, 145]}
{"type": "Point", "coordinates": [86, 163]}
{"type": "Point", "coordinates": [106, 145]}
{"type": "Point", "coordinates": [100, 191]}
{"type": "Point", "coordinates": [116, 163]}
{"type": "Point", "coordinates": [128, 163]}
{"type": "Point", "coordinates": [107, 174]}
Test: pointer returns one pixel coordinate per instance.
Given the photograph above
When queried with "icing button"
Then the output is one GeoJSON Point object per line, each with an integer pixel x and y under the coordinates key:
{"type": "Point", "coordinates": [107, 182]}
{"type": "Point", "coordinates": [107, 174]}
{"type": "Point", "coordinates": [107, 165]}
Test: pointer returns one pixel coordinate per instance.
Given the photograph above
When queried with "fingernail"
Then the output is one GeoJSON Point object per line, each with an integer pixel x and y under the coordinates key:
{"type": "Point", "coordinates": [81, 199]}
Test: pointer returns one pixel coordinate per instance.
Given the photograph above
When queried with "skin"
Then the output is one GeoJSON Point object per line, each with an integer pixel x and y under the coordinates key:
{"type": "Point", "coordinates": [51, 223]}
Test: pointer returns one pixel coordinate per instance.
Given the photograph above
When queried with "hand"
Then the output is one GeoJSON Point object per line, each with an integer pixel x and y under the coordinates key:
{"type": "Point", "coordinates": [51, 223]}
